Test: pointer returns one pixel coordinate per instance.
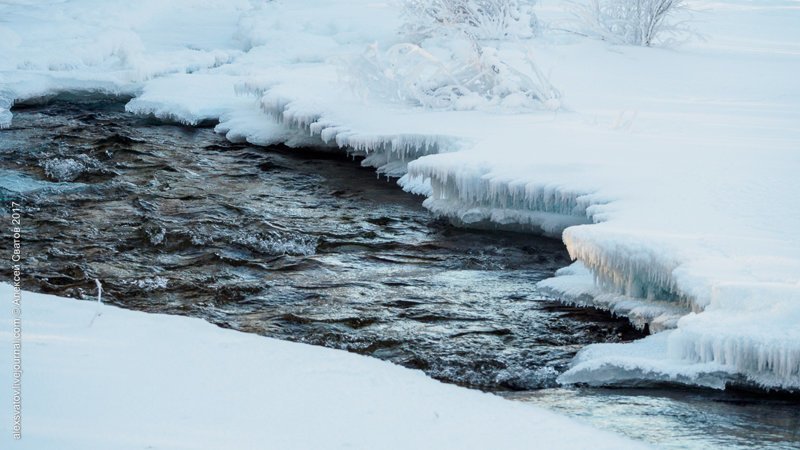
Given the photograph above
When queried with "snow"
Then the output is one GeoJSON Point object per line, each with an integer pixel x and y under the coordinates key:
{"type": "Point", "coordinates": [670, 173]}
{"type": "Point", "coordinates": [98, 377]}
{"type": "Point", "coordinates": [189, 99]}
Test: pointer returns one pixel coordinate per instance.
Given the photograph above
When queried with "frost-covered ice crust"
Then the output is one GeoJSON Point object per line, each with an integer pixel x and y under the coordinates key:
{"type": "Point", "coordinates": [672, 174]}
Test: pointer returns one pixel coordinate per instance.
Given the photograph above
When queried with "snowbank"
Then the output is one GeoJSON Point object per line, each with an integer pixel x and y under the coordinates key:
{"type": "Point", "coordinates": [109, 47]}
{"type": "Point", "coordinates": [670, 173]}
{"type": "Point", "coordinates": [127, 379]}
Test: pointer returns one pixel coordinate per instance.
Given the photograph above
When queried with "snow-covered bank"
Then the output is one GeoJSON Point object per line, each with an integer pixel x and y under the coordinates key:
{"type": "Point", "coordinates": [128, 379]}
{"type": "Point", "coordinates": [109, 47]}
{"type": "Point", "coordinates": [671, 173]}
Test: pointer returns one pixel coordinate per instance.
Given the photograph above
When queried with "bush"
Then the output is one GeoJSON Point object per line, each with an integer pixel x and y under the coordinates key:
{"type": "Point", "coordinates": [460, 54]}
{"type": "Point", "coordinates": [477, 19]}
{"type": "Point", "coordinates": [632, 22]}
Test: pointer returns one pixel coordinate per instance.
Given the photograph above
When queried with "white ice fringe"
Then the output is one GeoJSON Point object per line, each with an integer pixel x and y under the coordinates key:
{"type": "Point", "coordinates": [470, 196]}
{"type": "Point", "coordinates": [389, 154]}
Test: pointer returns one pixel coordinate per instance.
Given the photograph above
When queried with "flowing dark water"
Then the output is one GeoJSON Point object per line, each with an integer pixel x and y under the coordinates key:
{"type": "Point", "coordinates": [673, 418]}
{"type": "Point", "coordinates": [306, 247]}
{"type": "Point", "coordinates": [295, 245]}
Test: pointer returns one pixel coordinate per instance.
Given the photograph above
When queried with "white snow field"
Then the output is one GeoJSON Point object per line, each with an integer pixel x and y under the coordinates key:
{"type": "Point", "coordinates": [673, 174]}
{"type": "Point", "coordinates": [130, 380]}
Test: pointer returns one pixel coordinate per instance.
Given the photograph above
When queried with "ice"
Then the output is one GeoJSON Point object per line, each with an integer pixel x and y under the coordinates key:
{"type": "Point", "coordinates": [576, 285]}
{"type": "Point", "coordinates": [170, 382]}
{"type": "Point", "coordinates": [6, 101]}
{"type": "Point", "coordinates": [5, 118]}
{"type": "Point", "coordinates": [249, 124]}
{"type": "Point", "coordinates": [712, 348]}
{"type": "Point", "coordinates": [643, 362]}
{"type": "Point", "coordinates": [388, 152]}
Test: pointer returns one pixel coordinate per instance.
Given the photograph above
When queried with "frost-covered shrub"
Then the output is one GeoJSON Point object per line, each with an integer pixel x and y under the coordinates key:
{"type": "Point", "coordinates": [478, 19]}
{"type": "Point", "coordinates": [633, 22]}
{"type": "Point", "coordinates": [460, 54]}
{"type": "Point", "coordinates": [458, 76]}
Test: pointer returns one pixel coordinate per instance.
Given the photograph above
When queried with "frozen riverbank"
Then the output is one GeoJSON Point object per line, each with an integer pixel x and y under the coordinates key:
{"type": "Point", "coordinates": [293, 245]}
{"type": "Point", "coordinates": [98, 378]}
{"type": "Point", "coordinates": [670, 173]}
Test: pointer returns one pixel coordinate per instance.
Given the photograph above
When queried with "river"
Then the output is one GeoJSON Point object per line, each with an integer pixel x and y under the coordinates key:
{"type": "Point", "coordinates": [305, 245]}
